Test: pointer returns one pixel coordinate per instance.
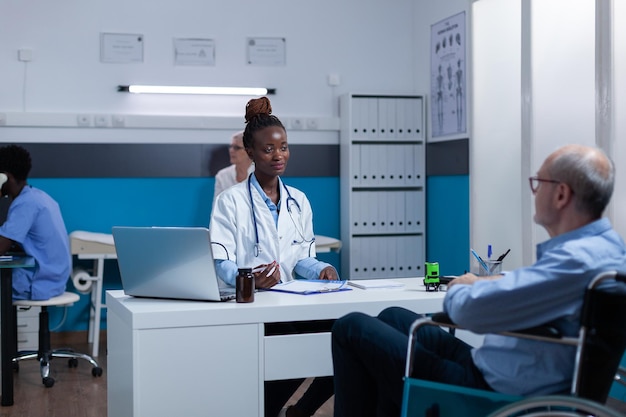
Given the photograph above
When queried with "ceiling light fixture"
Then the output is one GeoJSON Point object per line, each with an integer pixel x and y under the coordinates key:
{"type": "Point", "coordinates": [170, 89]}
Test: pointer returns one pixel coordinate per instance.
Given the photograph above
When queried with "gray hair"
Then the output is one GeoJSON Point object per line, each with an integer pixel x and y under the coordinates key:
{"type": "Point", "coordinates": [238, 135]}
{"type": "Point", "coordinates": [590, 173]}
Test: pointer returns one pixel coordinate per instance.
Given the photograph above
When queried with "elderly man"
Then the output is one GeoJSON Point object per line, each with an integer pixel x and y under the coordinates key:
{"type": "Point", "coordinates": [572, 188]}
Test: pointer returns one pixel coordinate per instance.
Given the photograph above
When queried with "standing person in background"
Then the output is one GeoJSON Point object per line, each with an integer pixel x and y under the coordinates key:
{"type": "Point", "coordinates": [241, 166]}
{"type": "Point", "coordinates": [35, 223]}
{"type": "Point", "coordinates": [264, 224]}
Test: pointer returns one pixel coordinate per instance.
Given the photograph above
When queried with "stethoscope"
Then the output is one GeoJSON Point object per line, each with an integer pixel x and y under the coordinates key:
{"type": "Point", "coordinates": [289, 202]}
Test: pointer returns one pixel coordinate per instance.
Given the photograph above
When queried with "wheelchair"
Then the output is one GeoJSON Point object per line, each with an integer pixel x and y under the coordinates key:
{"type": "Point", "coordinates": [599, 346]}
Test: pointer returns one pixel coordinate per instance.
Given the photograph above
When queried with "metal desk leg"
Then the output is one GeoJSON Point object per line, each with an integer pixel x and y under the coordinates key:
{"type": "Point", "coordinates": [92, 316]}
{"type": "Point", "coordinates": [95, 313]}
{"type": "Point", "coordinates": [7, 344]}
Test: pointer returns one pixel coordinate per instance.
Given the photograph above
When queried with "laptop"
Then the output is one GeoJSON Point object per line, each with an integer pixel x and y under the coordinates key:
{"type": "Point", "coordinates": [168, 262]}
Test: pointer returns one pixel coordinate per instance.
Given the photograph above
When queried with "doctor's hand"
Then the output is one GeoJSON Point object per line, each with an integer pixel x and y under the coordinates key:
{"type": "Point", "coordinates": [329, 273]}
{"type": "Point", "coordinates": [266, 275]}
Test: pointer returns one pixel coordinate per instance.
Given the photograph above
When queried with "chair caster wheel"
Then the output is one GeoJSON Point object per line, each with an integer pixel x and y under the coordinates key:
{"type": "Point", "coordinates": [48, 381]}
{"type": "Point", "coordinates": [72, 363]}
{"type": "Point", "coordinates": [97, 371]}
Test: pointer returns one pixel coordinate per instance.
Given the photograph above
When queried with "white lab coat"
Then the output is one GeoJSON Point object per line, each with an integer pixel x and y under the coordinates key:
{"type": "Point", "coordinates": [232, 226]}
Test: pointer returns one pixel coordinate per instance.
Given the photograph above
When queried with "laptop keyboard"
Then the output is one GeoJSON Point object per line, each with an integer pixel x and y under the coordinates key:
{"type": "Point", "coordinates": [227, 294]}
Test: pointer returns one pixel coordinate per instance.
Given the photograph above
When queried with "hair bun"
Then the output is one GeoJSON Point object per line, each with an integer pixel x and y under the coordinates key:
{"type": "Point", "coordinates": [257, 107]}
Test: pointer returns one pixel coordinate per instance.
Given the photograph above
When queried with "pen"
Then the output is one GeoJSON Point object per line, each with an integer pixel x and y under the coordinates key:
{"type": "Point", "coordinates": [261, 268]}
{"type": "Point", "coordinates": [480, 261]}
{"type": "Point", "coordinates": [501, 257]}
{"type": "Point", "coordinates": [489, 252]}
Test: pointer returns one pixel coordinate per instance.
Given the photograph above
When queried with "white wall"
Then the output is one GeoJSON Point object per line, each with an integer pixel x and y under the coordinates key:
{"type": "Point", "coordinates": [369, 44]}
{"type": "Point", "coordinates": [535, 89]}
{"type": "Point", "coordinates": [496, 184]}
{"type": "Point", "coordinates": [563, 79]}
{"type": "Point", "coordinates": [619, 95]}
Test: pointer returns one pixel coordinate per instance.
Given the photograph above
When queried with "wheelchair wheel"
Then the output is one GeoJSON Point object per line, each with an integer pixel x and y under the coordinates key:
{"type": "Point", "coordinates": [555, 406]}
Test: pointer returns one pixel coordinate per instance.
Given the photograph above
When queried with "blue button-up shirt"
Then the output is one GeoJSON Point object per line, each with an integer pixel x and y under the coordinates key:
{"type": "Point", "coordinates": [551, 290]}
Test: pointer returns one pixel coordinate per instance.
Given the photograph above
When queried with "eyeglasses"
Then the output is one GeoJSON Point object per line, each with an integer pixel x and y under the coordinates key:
{"type": "Point", "coordinates": [534, 183]}
{"type": "Point", "coordinates": [235, 148]}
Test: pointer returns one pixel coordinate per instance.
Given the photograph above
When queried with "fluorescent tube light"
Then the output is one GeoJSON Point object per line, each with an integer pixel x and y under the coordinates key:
{"type": "Point", "coordinates": [170, 89]}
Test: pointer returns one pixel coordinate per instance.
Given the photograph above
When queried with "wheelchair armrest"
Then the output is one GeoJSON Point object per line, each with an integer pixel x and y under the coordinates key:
{"type": "Point", "coordinates": [542, 331]}
{"type": "Point", "coordinates": [443, 319]}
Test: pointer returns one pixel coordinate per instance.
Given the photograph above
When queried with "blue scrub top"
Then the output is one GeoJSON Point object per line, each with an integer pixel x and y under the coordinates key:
{"type": "Point", "coordinates": [35, 221]}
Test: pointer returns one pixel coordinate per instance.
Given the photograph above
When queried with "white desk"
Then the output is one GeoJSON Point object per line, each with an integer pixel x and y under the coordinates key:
{"type": "Point", "coordinates": [97, 247]}
{"type": "Point", "coordinates": [195, 359]}
{"type": "Point", "coordinates": [324, 244]}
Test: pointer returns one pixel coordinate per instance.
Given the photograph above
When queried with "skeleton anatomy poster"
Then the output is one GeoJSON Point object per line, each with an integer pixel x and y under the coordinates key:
{"type": "Point", "coordinates": [448, 89]}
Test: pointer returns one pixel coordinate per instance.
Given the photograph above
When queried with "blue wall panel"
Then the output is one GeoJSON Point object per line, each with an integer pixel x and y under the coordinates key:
{"type": "Point", "coordinates": [447, 223]}
{"type": "Point", "coordinates": [97, 204]}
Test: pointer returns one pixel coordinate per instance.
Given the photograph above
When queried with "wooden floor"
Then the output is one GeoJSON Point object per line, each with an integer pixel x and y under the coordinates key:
{"type": "Point", "coordinates": [76, 393]}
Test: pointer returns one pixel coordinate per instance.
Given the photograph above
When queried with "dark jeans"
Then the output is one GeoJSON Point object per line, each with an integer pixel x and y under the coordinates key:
{"type": "Point", "coordinates": [369, 357]}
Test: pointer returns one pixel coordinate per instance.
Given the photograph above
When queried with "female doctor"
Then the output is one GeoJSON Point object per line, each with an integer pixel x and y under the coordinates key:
{"type": "Point", "coordinates": [264, 224]}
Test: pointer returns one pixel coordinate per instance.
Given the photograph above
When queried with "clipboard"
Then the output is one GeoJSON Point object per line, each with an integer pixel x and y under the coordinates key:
{"type": "Point", "coordinates": [310, 286]}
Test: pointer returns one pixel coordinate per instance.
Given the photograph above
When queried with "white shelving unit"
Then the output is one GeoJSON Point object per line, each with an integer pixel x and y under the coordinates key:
{"type": "Point", "coordinates": [383, 178]}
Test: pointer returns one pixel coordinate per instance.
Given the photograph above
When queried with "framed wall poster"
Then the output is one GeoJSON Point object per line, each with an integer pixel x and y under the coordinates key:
{"type": "Point", "coordinates": [448, 88]}
{"type": "Point", "coordinates": [194, 52]}
{"type": "Point", "coordinates": [267, 52]}
{"type": "Point", "coordinates": [121, 48]}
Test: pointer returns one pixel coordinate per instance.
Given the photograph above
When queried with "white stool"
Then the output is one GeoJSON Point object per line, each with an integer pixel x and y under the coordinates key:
{"type": "Point", "coordinates": [45, 353]}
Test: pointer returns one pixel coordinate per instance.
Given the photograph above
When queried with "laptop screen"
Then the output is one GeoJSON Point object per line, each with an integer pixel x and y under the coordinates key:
{"type": "Point", "coordinates": [166, 262]}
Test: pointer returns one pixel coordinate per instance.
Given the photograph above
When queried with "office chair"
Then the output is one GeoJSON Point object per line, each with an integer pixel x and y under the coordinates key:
{"type": "Point", "coordinates": [600, 345]}
{"type": "Point", "coordinates": [45, 353]}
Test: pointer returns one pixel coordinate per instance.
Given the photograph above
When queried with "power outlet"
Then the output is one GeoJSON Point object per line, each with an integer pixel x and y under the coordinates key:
{"type": "Point", "coordinates": [297, 124]}
{"type": "Point", "coordinates": [334, 80]}
{"type": "Point", "coordinates": [83, 120]}
{"type": "Point", "coordinates": [312, 124]}
{"type": "Point", "coordinates": [118, 121]}
{"type": "Point", "coordinates": [25, 55]}
{"type": "Point", "coordinates": [101, 120]}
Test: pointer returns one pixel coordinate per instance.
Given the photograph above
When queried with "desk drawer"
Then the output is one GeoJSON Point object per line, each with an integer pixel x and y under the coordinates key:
{"type": "Point", "coordinates": [297, 356]}
{"type": "Point", "coordinates": [27, 324]}
{"type": "Point", "coordinates": [28, 328]}
{"type": "Point", "coordinates": [27, 341]}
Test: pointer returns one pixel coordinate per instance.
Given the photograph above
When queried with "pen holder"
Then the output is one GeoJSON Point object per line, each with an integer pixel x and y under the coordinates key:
{"type": "Point", "coordinates": [493, 268]}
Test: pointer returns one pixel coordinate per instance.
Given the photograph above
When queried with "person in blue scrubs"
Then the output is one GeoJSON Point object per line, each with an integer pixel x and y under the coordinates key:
{"type": "Point", "coordinates": [572, 188]}
{"type": "Point", "coordinates": [35, 225]}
